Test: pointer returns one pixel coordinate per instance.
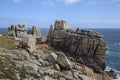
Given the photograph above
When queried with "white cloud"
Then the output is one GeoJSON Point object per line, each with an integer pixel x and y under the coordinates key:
{"type": "Point", "coordinates": [49, 3]}
{"type": "Point", "coordinates": [101, 1]}
{"type": "Point", "coordinates": [16, 1]}
{"type": "Point", "coordinates": [69, 1]}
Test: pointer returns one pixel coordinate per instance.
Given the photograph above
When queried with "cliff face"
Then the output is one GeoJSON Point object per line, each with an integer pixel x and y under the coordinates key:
{"type": "Point", "coordinates": [87, 47]}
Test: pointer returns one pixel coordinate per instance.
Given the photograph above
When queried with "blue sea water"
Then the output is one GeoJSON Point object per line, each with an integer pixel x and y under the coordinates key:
{"type": "Point", "coordinates": [112, 36]}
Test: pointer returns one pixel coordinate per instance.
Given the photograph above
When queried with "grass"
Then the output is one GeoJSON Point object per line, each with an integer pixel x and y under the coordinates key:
{"type": "Point", "coordinates": [46, 48]}
{"type": "Point", "coordinates": [8, 42]}
{"type": "Point", "coordinates": [7, 67]}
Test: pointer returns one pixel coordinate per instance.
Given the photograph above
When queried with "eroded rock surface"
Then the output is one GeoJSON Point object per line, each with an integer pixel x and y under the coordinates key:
{"type": "Point", "coordinates": [87, 47]}
{"type": "Point", "coordinates": [83, 54]}
{"type": "Point", "coordinates": [19, 31]}
{"type": "Point", "coordinates": [28, 43]}
{"type": "Point", "coordinates": [20, 65]}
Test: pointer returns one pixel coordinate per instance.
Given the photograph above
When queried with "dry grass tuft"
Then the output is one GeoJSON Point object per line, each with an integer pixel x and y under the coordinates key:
{"type": "Point", "coordinates": [46, 48]}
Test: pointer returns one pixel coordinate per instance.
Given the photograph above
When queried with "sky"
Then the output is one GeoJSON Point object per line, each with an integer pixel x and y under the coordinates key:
{"type": "Point", "coordinates": [77, 13]}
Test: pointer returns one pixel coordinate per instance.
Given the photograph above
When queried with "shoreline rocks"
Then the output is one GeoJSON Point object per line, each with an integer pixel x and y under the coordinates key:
{"type": "Point", "coordinates": [87, 47]}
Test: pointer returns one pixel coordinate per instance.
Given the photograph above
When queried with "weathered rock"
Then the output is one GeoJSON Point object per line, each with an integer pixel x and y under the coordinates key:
{"type": "Point", "coordinates": [21, 31]}
{"type": "Point", "coordinates": [47, 78]}
{"type": "Point", "coordinates": [36, 32]}
{"type": "Point", "coordinates": [67, 77]}
{"type": "Point", "coordinates": [112, 74]}
{"type": "Point", "coordinates": [11, 30]}
{"type": "Point", "coordinates": [87, 47]}
{"type": "Point", "coordinates": [42, 39]}
{"type": "Point", "coordinates": [50, 34]}
{"type": "Point", "coordinates": [63, 61]}
{"type": "Point", "coordinates": [61, 24]}
{"type": "Point", "coordinates": [38, 68]}
{"type": "Point", "coordinates": [69, 73]}
{"type": "Point", "coordinates": [17, 55]}
{"type": "Point", "coordinates": [61, 78]}
{"type": "Point", "coordinates": [52, 58]}
{"type": "Point", "coordinates": [28, 43]}
{"type": "Point", "coordinates": [17, 31]}
{"type": "Point", "coordinates": [30, 68]}
{"type": "Point", "coordinates": [83, 77]}
{"type": "Point", "coordinates": [57, 67]}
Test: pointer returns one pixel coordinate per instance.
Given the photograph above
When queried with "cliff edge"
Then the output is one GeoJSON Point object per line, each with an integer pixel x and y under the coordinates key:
{"type": "Point", "coordinates": [87, 47]}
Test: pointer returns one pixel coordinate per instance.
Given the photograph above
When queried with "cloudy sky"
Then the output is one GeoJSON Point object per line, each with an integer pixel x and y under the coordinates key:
{"type": "Point", "coordinates": [78, 13]}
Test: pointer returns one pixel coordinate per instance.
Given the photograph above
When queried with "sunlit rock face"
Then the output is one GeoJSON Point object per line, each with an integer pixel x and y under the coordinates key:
{"type": "Point", "coordinates": [19, 30]}
{"type": "Point", "coordinates": [87, 47]}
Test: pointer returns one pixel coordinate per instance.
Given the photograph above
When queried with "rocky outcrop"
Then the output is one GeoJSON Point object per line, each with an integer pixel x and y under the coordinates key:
{"type": "Point", "coordinates": [28, 43]}
{"type": "Point", "coordinates": [36, 32]}
{"type": "Point", "coordinates": [27, 39]}
{"type": "Point", "coordinates": [83, 54]}
{"type": "Point", "coordinates": [50, 34]}
{"type": "Point", "coordinates": [61, 24]}
{"type": "Point", "coordinates": [87, 47]}
{"type": "Point", "coordinates": [19, 31]}
{"type": "Point", "coordinates": [20, 65]}
{"type": "Point", "coordinates": [63, 61]}
{"type": "Point", "coordinates": [60, 58]}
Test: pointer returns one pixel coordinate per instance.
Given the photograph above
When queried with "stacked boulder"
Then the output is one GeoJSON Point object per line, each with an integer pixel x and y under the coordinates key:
{"type": "Point", "coordinates": [19, 31]}
{"type": "Point", "coordinates": [28, 43]}
{"type": "Point", "coordinates": [87, 47]}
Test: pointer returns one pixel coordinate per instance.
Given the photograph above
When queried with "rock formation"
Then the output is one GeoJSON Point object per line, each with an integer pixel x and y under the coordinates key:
{"type": "Point", "coordinates": [19, 31]}
{"type": "Point", "coordinates": [87, 47]}
{"type": "Point", "coordinates": [36, 32]}
{"type": "Point", "coordinates": [20, 65]}
{"type": "Point", "coordinates": [61, 24]}
{"type": "Point", "coordinates": [28, 43]}
{"type": "Point", "coordinates": [50, 34]}
{"type": "Point", "coordinates": [27, 39]}
{"type": "Point", "coordinates": [43, 62]}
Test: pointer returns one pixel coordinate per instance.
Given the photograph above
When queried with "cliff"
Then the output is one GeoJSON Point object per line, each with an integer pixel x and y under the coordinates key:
{"type": "Point", "coordinates": [87, 47]}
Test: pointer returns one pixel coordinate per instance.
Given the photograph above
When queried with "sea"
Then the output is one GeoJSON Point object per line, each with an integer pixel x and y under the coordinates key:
{"type": "Point", "coordinates": [112, 36]}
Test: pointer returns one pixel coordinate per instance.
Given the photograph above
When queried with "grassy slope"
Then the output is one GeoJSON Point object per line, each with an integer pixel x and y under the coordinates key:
{"type": "Point", "coordinates": [8, 42]}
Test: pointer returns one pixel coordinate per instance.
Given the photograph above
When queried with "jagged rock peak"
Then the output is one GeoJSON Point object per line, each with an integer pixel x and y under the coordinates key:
{"type": "Point", "coordinates": [60, 24]}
